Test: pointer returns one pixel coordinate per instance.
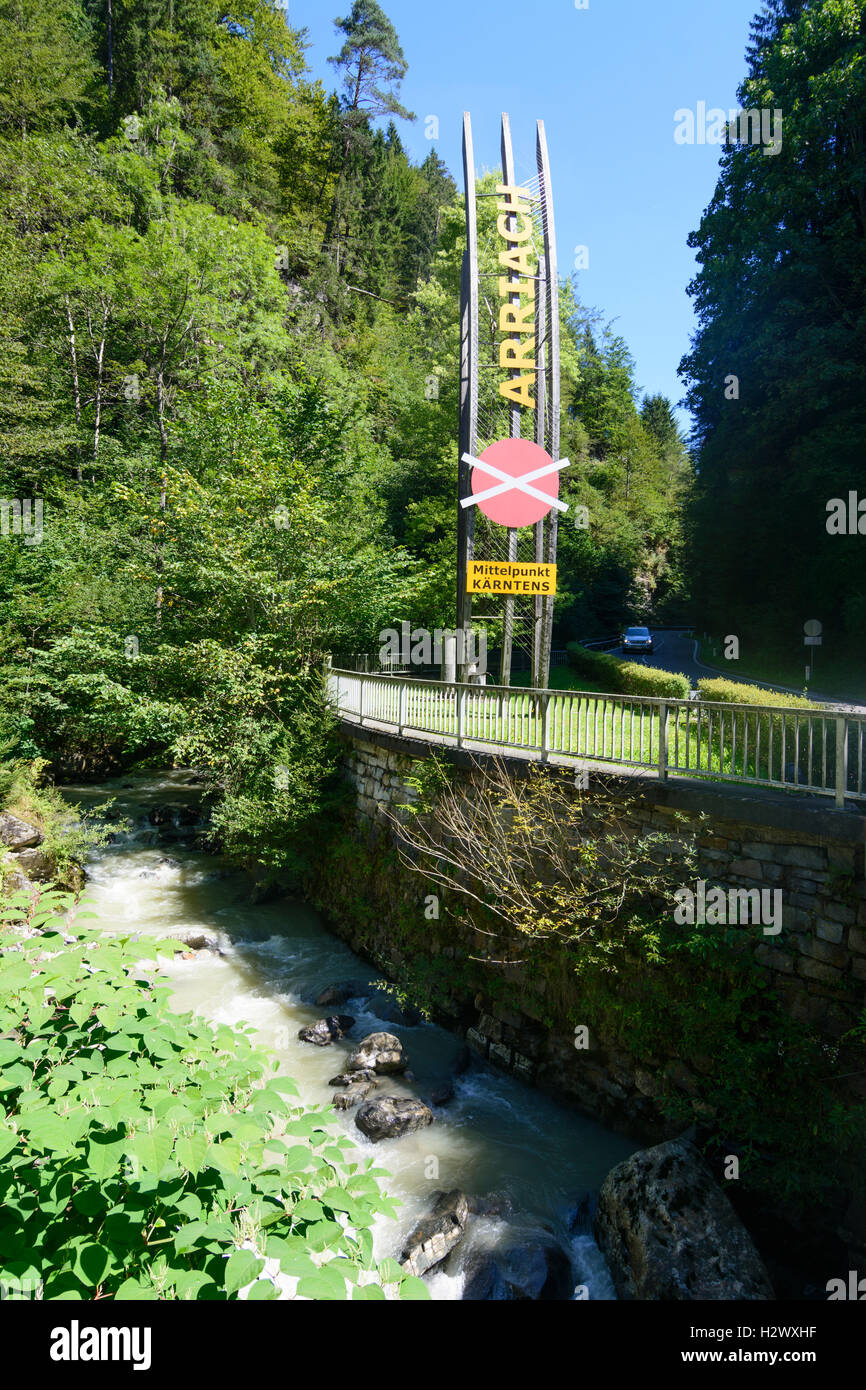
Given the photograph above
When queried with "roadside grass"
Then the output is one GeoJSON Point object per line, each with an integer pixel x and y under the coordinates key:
{"type": "Point", "coordinates": [561, 678]}
{"type": "Point", "coordinates": [718, 743]}
{"type": "Point", "coordinates": [844, 677]}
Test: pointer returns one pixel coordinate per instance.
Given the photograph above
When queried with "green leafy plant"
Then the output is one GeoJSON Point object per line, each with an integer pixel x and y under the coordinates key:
{"type": "Point", "coordinates": [150, 1155]}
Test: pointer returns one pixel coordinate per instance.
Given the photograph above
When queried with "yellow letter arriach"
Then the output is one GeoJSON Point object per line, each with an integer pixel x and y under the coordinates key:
{"type": "Point", "coordinates": [519, 391]}
{"type": "Point", "coordinates": [515, 235]}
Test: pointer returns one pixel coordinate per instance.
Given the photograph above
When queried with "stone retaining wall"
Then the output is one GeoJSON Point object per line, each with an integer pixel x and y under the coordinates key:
{"type": "Point", "coordinates": [809, 850]}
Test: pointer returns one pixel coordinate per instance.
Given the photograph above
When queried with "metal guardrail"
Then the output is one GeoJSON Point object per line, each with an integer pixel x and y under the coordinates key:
{"type": "Point", "coordinates": [817, 751]}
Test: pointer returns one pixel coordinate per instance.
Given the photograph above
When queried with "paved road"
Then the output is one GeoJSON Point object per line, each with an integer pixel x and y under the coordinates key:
{"type": "Point", "coordinates": [676, 652]}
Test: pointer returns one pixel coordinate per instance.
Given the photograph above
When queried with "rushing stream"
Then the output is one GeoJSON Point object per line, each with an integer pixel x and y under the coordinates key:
{"type": "Point", "coordinates": [541, 1163]}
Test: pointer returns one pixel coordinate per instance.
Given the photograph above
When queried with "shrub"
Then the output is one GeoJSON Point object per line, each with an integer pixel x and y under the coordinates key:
{"type": "Point", "coordinates": [727, 692]}
{"type": "Point", "coordinates": [770, 746]}
{"type": "Point", "coordinates": [151, 1155]}
{"type": "Point", "coordinates": [628, 677]}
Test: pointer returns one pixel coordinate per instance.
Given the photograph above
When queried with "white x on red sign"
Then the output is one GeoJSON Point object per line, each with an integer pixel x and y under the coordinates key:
{"type": "Point", "coordinates": [514, 501]}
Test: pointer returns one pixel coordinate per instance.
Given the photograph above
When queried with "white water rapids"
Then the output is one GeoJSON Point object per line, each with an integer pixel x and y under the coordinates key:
{"type": "Point", "coordinates": [497, 1136]}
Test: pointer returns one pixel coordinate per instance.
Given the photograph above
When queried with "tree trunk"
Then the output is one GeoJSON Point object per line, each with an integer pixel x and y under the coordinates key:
{"type": "Point", "coordinates": [99, 354]}
{"type": "Point", "coordinates": [163, 482]}
{"type": "Point", "coordinates": [75, 382]}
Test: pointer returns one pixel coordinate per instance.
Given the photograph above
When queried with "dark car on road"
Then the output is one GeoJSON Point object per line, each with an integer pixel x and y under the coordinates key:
{"type": "Point", "coordinates": [637, 639]}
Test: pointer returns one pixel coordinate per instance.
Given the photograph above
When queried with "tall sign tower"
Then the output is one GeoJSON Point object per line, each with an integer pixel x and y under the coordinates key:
{"type": "Point", "coordinates": [508, 481]}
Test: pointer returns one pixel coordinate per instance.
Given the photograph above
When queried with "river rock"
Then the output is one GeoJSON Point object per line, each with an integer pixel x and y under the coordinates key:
{"type": "Point", "coordinates": [538, 1271]}
{"type": "Point", "coordinates": [483, 1280]}
{"type": "Point", "coordinates": [334, 995]}
{"type": "Point", "coordinates": [442, 1095]}
{"type": "Point", "coordinates": [198, 942]}
{"type": "Point", "coordinates": [14, 880]}
{"type": "Point", "coordinates": [349, 1078]}
{"type": "Point", "coordinates": [378, 1052]}
{"type": "Point", "coordinates": [389, 1117]}
{"type": "Point", "coordinates": [668, 1232]}
{"type": "Point", "coordinates": [37, 865]}
{"type": "Point", "coordinates": [161, 815]}
{"type": "Point", "coordinates": [496, 1204]}
{"type": "Point", "coordinates": [390, 1010]}
{"type": "Point", "coordinates": [463, 1061]}
{"type": "Point", "coordinates": [436, 1234]}
{"type": "Point", "coordinates": [352, 1095]}
{"type": "Point", "coordinates": [327, 1030]}
{"type": "Point", "coordinates": [17, 834]}
{"type": "Point", "coordinates": [579, 1216]}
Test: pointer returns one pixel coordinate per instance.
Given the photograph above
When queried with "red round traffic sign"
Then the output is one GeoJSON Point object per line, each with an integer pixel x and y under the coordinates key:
{"type": "Point", "coordinates": [512, 504]}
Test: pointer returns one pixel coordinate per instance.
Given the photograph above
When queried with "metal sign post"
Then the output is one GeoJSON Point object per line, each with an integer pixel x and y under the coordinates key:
{"type": "Point", "coordinates": [521, 339]}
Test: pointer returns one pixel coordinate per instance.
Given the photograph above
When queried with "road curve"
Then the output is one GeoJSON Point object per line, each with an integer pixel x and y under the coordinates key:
{"type": "Point", "coordinates": [677, 651]}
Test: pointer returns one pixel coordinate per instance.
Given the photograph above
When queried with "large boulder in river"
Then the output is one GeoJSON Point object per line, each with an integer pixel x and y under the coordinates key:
{"type": "Point", "coordinates": [378, 1052]}
{"type": "Point", "coordinates": [17, 834]}
{"type": "Point", "coordinates": [668, 1232]}
{"type": "Point", "coordinates": [332, 996]}
{"type": "Point", "coordinates": [436, 1234]}
{"type": "Point", "coordinates": [389, 1117]}
{"type": "Point", "coordinates": [327, 1030]}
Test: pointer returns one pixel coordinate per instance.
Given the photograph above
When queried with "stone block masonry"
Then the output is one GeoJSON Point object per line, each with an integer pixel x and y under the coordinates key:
{"type": "Point", "coordinates": [743, 839]}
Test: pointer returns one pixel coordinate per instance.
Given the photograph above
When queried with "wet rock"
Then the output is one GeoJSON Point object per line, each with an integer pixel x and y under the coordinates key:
{"type": "Point", "coordinates": [187, 815]}
{"type": "Point", "coordinates": [352, 1095]}
{"type": "Point", "coordinates": [537, 1271]}
{"type": "Point", "coordinates": [437, 1234]}
{"type": "Point", "coordinates": [17, 834]}
{"type": "Point", "coordinates": [579, 1217]}
{"type": "Point", "coordinates": [37, 865]}
{"type": "Point", "coordinates": [386, 1007]}
{"type": "Point", "coordinates": [198, 942]}
{"type": "Point", "coordinates": [496, 1204]}
{"type": "Point", "coordinates": [334, 995]}
{"type": "Point", "coordinates": [161, 815]}
{"type": "Point", "coordinates": [483, 1280]}
{"type": "Point", "coordinates": [389, 1117]}
{"type": "Point", "coordinates": [442, 1095]}
{"type": "Point", "coordinates": [327, 1030]}
{"type": "Point", "coordinates": [349, 1078]}
{"type": "Point", "coordinates": [668, 1231]}
{"type": "Point", "coordinates": [463, 1062]}
{"type": "Point", "coordinates": [378, 1052]}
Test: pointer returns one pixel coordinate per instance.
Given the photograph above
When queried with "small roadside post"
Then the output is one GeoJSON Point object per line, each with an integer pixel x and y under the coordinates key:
{"type": "Point", "coordinates": [813, 630]}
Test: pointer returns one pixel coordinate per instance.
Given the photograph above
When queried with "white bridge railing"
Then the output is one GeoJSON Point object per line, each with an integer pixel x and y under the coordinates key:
{"type": "Point", "coordinates": [817, 751]}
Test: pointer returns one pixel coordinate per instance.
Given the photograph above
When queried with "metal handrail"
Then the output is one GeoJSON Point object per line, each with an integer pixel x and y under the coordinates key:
{"type": "Point", "coordinates": [822, 751]}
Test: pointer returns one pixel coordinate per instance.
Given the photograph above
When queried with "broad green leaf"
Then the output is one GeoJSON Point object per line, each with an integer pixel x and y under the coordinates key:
{"type": "Point", "coordinates": [242, 1268]}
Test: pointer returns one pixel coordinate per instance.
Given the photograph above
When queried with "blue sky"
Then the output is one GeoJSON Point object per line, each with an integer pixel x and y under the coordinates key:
{"type": "Point", "coordinates": [606, 80]}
